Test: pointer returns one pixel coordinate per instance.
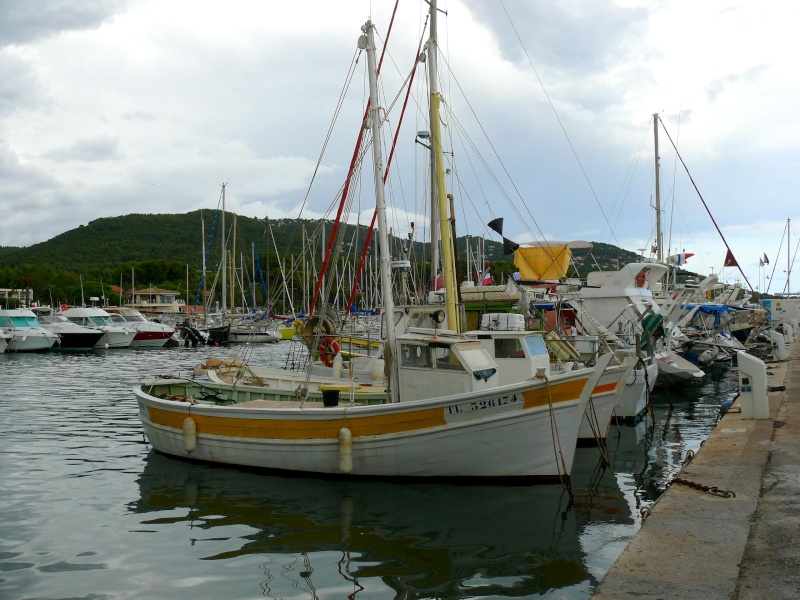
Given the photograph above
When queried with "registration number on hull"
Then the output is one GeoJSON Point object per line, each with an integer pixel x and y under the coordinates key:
{"type": "Point", "coordinates": [466, 407]}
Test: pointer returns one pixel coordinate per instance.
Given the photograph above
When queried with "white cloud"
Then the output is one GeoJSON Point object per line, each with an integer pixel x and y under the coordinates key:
{"type": "Point", "coordinates": [144, 106]}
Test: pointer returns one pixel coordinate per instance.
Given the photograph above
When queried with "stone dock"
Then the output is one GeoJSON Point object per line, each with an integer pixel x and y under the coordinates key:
{"type": "Point", "coordinates": [697, 545]}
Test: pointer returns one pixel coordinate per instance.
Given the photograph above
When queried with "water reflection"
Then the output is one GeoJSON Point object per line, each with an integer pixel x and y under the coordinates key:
{"type": "Point", "coordinates": [420, 540]}
{"type": "Point", "coordinates": [89, 510]}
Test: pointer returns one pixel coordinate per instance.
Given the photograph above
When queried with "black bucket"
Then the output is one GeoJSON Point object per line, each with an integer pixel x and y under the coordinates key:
{"type": "Point", "coordinates": [330, 397]}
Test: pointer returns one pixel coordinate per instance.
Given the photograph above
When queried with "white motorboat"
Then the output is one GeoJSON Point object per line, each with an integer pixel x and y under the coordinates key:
{"type": "Point", "coordinates": [25, 331]}
{"type": "Point", "coordinates": [149, 334]}
{"type": "Point", "coordinates": [71, 336]}
{"type": "Point", "coordinates": [114, 336]}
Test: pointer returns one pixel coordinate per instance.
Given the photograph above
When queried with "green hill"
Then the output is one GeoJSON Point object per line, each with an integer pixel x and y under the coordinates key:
{"type": "Point", "coordinates": [162, 248]}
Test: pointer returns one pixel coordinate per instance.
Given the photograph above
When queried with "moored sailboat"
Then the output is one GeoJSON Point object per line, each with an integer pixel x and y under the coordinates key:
{"type": "Point", "coordinates": [445, 411]}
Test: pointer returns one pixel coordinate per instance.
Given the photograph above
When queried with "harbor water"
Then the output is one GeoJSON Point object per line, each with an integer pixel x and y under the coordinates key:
{"type": "Point", "coordinates": [89, 511]}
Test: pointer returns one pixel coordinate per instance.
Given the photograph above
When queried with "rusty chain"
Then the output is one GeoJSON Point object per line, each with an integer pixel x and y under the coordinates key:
{"type": "Point", "coordinates": [714, 490]}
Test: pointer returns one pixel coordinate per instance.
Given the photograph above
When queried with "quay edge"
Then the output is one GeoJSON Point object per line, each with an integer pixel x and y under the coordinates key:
{"type": "Point", "coordinates": [697, 545]}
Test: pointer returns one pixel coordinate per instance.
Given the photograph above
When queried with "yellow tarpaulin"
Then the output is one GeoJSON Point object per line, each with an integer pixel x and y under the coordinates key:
{"type": "Point", "coordinates": [542, 262]}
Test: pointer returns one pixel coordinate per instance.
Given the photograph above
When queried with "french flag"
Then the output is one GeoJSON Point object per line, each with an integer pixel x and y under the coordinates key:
{"type": "Point", "coordinates": [487, 278]}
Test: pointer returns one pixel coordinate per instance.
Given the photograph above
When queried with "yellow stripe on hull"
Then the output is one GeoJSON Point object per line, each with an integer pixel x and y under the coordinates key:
{"type": "Point", "coordinates": [560, 392]}
{"type": "Point", "coordinates": [311, 427]}
{"type": "Point", "coordinates": [301, 429]}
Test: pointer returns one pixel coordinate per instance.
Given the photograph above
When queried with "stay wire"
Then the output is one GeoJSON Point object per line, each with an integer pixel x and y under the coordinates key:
{"type": "Point", "coordinates": [560, 123]}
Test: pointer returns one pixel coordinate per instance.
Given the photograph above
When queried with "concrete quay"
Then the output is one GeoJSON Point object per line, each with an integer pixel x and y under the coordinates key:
{"type": "Point", "coordinates": [696, 545]}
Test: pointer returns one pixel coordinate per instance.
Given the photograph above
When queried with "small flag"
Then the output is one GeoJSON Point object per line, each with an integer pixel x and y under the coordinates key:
{"type": "Point", "coordinates": [487, 278]}
{"type": "Point", "coordinates": [681, 258]}
{"type": "Point", "coordinates": [438, 283]}
{"type": "Point", "coordinates": [765, 259]}
{"type": "Point", "coordinates": [730, 261]}
{"type": "Point", "coordinates": [760, 262]}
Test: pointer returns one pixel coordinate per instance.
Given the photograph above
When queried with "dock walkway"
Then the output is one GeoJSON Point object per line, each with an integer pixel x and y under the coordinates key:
{"type": "Point", "coordinates": [694, 544]}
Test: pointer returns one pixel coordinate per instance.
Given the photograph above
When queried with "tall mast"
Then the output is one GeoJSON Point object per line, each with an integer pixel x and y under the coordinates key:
{"type": "Point", "coordinates": [232, 266]}
{"type": "Point", "coordinates": [380, 206]}
{"type": "Point", "coordinates": [788, 257]}
{"type": "Point", "coordinates": [445, 231]}
{"type": "Point", "coordinates": [203, 275]}
{"type": "Point", "coordinates": [224, 262]}
{"type": "Point", "coordinates": [659, 248]}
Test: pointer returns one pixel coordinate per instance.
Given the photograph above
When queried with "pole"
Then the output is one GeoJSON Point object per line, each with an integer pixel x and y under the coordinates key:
{"type": "Point", "coordinates": [380, 201]}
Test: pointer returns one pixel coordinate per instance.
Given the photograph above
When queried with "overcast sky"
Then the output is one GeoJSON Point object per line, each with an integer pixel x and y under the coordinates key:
{"type": "Point", "coordinates": [115, 107]}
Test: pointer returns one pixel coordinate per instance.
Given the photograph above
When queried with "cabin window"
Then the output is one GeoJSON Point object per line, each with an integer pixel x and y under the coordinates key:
{"type": "Point", "coordinates": [536, 345]}
{"type": "Point", "coordinates": [508, 348]}
{"type": "Point", "coordinates": [446, 359]}
{"type": "Point", "coordinates": [5, 322]}
{"type": "Point", "coordinates": [412, 355]}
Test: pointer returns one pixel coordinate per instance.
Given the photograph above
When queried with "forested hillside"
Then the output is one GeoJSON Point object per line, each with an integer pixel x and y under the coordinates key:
{"type": "Point", "coordinates": [164, 250]}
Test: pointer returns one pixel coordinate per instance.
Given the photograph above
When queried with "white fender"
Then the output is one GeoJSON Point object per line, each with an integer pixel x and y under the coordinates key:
{"type": "Point", "coordinates": [189, 434]}
{"type": "Point", "coordinates": [345, 450]}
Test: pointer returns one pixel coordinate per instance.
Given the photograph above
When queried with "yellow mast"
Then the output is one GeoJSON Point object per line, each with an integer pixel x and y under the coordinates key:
{"type": "Point", "coordinates": [445, 231]}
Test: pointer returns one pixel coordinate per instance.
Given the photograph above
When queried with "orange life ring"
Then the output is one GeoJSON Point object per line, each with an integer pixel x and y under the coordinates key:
{"type": "Point", "coordinates": [640, 279]}
{"type": "Point", "coordinates": [328, 349]}
{"type": "Point", "coordinates": [64, 307]}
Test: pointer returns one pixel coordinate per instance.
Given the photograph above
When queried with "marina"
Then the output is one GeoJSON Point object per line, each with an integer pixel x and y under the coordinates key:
{"type": "Point", "coordinates": [91, 509]}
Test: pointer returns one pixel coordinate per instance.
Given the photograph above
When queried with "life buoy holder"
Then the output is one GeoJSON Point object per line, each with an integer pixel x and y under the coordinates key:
{"type": "Point", "coordinates": [328, 349]}
{"type": "Point", "coordinates": [640, 279]}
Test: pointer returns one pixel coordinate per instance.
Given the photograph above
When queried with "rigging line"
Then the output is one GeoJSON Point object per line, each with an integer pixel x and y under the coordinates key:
{"type": "Point", "coordinates": [361, 131]}
{"type": "Point", "coordinates": [463, 188]}
{"type": "Point", "coordinates": [336, 112]}
{"type": "Point", "coordinates": [502, 165]}
{"type": "Point", "coordinates": [674, 183]}
{"type": "Point", "coordinates": [563, 129]}
{"type": "Point", "coordinates": [791, 264]}
{"type": "Point", "coordinates": [388, 166]}
{"type": "Point", "coordinates": [629, 178]}
{"type": "Point", "coordinates": [664, 127]}
{"type": "Point", "coordinates": [487, 167]}
{"type": "Point", "coordinates": [775, 262]}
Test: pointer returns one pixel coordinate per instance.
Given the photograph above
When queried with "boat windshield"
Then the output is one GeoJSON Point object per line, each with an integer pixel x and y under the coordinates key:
{"type": "Point", "coordinates": [102, 320]}
{"type": "Point", "coordinates": [18, 322]}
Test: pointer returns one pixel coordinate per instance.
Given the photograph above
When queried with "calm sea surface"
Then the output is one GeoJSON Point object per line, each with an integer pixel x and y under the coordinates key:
{"type": "Point", "coordinates": [88, 510]}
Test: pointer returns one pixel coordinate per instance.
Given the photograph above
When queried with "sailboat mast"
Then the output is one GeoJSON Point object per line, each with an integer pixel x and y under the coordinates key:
{"type": "Point", "coordinates": [380, 206]}
{"type": "Point", "coordinates": [203, 252]}
{"type": "Point", "coordinates": [659, 247]}
{"type": "Point", "coordinates": [445, 231]}
{"type": "Point", "coordinates": [224, 263]}
{"type": "Point", "coordinates": [788, 257]}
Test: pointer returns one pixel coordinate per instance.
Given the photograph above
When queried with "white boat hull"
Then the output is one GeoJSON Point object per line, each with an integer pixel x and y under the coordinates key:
{"type": "Point", "coordinates": [675, 370]}
{"type": "Point", "coordinates": [115, 339]}
{"type": "Point", "coordinates": [506, 432]}
{"type": "Point", "coordinates": [597, 416]}
{"type": "Point", "coordinates": [633, 400]}
{"type": "Point", "coordinates": [31, 341]}
{"type": "Point", "coordinates": [240, 337]}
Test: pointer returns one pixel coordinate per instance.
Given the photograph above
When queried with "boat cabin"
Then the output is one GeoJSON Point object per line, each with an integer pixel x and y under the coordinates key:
{"type": "Point", "coordinates": [437, 363]}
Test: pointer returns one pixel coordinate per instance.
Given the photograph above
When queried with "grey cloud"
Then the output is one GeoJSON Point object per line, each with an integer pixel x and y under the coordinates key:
{"type": "Point", "coordinates": [555, 35]}
{"type": "Point", "coordinates": [18, 85]}
{"type": "Point", "coordinates": [26, 21]}
{"type": "Point", "coordinates": [718, 86]}
{"type": "Point", "coordinates": [96, 149]}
